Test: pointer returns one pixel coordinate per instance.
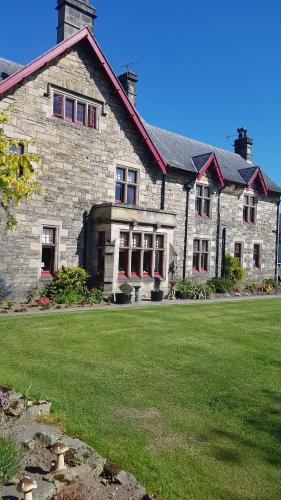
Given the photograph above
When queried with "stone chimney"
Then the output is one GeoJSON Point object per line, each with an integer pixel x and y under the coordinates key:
{"type": "Point", "coordinates": [73, 15]}
{"type": "Point", "coordinates": [243, 144]}
{"type": "Point", "coordinates": [129, 82]}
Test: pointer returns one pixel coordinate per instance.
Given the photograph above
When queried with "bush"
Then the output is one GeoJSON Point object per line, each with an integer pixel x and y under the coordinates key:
{"type": "Point", "coordinates": [5, 290]}
{"type": "Point", "coordinates": [190, 289]}
{"type": "Point", "coordinates": [256, 288]}
{"type": "Point", "coordinates": [272, 282]}
{"type": "Point", "coordinates": [68, 280]}
{"type": "Point", "coordinates": [126, 289]}
{"type": "Point", "coordinates": [232, 269]}
{"type": "Point", "coordinates": [11, 454]}
{"type": "Point", "coordinates": [68, 298]}
{"type": "Point", "coordinates": [94, 296]}
{"type": "Point", "coordinates": [221, 285]}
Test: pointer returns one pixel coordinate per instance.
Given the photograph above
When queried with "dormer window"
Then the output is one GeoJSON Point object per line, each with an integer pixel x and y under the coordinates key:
{"type": "Point", "coordinates": [203, 201]}
{"type": "Point", "coordinates": [76, 110]}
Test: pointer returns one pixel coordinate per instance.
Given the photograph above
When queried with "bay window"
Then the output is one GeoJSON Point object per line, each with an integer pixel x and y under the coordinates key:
{"type": "Point", "coordinates": [141, 255]}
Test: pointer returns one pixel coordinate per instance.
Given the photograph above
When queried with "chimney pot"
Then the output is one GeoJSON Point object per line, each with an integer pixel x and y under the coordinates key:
{"type": "Point", "coordinates": [243, 144]}
{"type": "Point", "coordinates": [129, 82]}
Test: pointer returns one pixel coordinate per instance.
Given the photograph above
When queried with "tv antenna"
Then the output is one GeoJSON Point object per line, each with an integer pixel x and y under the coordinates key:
{"type": "Point", "coordinates": [129, 65]}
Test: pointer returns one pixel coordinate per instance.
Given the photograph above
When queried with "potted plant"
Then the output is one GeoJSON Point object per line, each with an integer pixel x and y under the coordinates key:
{"type": "Point", "coordinates": [124, 297]}
{"type": "Point", "coordinates": [157, 294]}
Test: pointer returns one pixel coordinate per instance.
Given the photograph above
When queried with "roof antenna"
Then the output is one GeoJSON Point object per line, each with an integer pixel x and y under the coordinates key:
{"type": "Point", "coordinates": [228, 137]}
{"type": "Point", "coordinates": [129, 65]}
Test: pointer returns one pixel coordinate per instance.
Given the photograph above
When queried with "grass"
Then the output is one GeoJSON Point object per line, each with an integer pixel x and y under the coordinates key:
{"type": "Point", "coordinates": [187, 398]}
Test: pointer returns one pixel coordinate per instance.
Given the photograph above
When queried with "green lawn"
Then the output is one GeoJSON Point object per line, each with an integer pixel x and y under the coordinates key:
{"type": "Point", "coordinates": [187, 398]}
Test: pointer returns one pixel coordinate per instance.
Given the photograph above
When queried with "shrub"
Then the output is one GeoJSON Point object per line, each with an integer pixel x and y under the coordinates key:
{"type": "Point", "coordinates": [68, 280]}
{"type": "Point", "coordinates": [32, 293]}
{"type": "Point", "coordinates": [126, 289]}
{"type": "Point", "coordinates": [68, 298]}
{"type": "Point", "coordinates": [94, 296]}
{"type": "Point", "coordinates": [5, 290]}
{"type": "Point", "coordinates": [183, 288]}
{"type": "Point", "coordinates": [232, 269]}
{"type": "Point", "coordinates": [11, 454]}
{"type": "Point", "coordinates": [262, 287]}
{"type": "Point", "coordinates": [221, 285]}
{"type": "Point", "coordinates": [190, 289]}
{"type": "Point", "coordinates": [272, 282]}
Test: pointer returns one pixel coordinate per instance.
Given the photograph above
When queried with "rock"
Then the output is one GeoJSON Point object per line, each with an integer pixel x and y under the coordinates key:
{"type": "Point", "coordinates": [45, 491]}
{"type": "Point", "coordinates": [83, 473]}
{"type": "Point", "coordinates": [16, 408]}
{"type": "Point", "coordinates": [125, 478]}
{"type": "Point", "coordinates": [47, 434]}
{"type": "Point", "coordinates": [38, 410]}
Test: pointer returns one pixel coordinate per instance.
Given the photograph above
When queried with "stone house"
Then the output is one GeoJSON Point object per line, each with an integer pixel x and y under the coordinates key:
{"type": "Point", "coordinates": [123, 198]}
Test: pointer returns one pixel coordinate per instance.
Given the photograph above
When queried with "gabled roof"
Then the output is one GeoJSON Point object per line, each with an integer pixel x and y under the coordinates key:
{"type": "Point", "coordinates": [7, 68]}
{"type": "Point", "coordinates": [254, 176]}
{"type": "Point", "coordinates": [206, 161]}
{"type": "Point", "coordinates": [86, 35]}
{"type": "Point", "coordinates": [179, 152]}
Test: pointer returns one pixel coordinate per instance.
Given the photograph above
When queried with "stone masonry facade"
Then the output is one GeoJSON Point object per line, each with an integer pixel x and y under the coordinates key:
{"type": "Point", "coordinates": [78, 190]}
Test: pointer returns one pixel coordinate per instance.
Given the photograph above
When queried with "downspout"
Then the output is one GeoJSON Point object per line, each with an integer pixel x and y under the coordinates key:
{"type": "Point", "coordinates": [218, 232]}
{"type": "Point", "coordinates": [188, 186]}
{"type": "Point", "coordinates": [163, 188]}
{"type": "Point", "coordinates": [277, 242]}
{"type": "Point", "coordinates": [85, 239]}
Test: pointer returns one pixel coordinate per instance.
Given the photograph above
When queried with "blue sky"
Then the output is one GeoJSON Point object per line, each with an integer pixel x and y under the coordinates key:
{"type": "Point", "coordinates": [205, 68]}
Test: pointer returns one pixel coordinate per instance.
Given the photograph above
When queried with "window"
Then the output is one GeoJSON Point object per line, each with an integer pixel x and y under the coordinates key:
{"type": "Point", "coordinates": [126, 186]}
{"type": "Point", "coordinates": [249, 209]}
{"type": "Point", "coordinates": [201, 255]}
{"type": "Point", "coordinates": [138, 252]}
{"type": "Point", "coordinates": [18, 150]}
{"type": "Point", "coordinates": [48, 251]}
{"type": "Point", "coordinates": [74, 110]}
{"type": "Point", "coordinates": [101, 246]}
{"type": "Point", "coordinates": [203, 201]}
{"type": "Point", "coordinates": [257, 256]}
{"type": "Point", "coordinates": [238, 251]}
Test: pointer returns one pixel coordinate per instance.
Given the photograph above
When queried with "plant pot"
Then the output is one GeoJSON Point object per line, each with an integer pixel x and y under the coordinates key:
{"type": "Point", "coordinates": [157, 296]}
{"type": "Point", "coordinates": [122, 298]}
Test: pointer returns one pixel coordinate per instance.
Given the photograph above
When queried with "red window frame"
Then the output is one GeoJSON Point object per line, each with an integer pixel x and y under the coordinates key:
{"type": "Point", "coordinates": [92, 116]}
{"type": "Point", "coordinates": [125, 185]}
{"type": "Point", "coordinates": [203, 201]}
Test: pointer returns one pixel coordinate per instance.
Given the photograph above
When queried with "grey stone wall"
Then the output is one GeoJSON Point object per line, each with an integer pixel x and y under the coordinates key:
{"type": "Point", "coordinates": [79, 164]}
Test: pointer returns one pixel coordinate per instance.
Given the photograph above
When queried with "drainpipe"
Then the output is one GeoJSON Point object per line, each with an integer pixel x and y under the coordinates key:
{"type": "Point", "coordinates": [85, 239]}
{"type": "Point", "coordinates": [218, 233]}
{"type": "Point", "coordinates": [277, 242]}
{"type": "Point", "coordinates": [163, 186]}
{"type": "Point", "coordinates": [188, 186]}
{"type": "Point", "coordinates": [223, 244]}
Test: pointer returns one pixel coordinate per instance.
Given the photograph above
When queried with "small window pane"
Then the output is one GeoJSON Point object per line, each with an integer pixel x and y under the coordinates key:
{"type": "Point", "coordinates": [195, 263]}
{"type": "Point", "coordinates": [131, 195]}
{"type": "Point", "coordinates": [92, 113]}
{"type": "Point", "coordinates": [205, 245]}
{"type": "Point", "coordinates": [132, 176]}
{"type": "Point", "coordinates": [58, 102]}
{"type": "Point", "coordinates": [81, 112]}
{"type": "Point", "coordinates": [196, 245]}
{"type": "Point", "coordinates": [135, 263]}
{"type": "Point", "coordinates": [207, 192]}
{"type": "Point", "coordinates": [120, 174]}
{"type": "Point", "coordinates": [252, 214]}
{"type": "Point", "coordinates": [119, 192]}
{"type": "Point", "coordinates": [246, 200]}
{"type": "Point", "coordinates": [123, 262]}
{"type": "Point", "coordinates": [47, 263]}
{"type": "Point", "coordinates": [48, 235]}
{"type": "Point", "coordinates": [69, 109]}
{"type": "Point", "coordinates": [204, 262]}
{"type": "Point", "coordinates": [136, 240]}
{"type": "Point", "coordinates": [252, 201]}
{"type": "Point", "coordinates": [158, 263]}
{"type": "Point", "coordinates": [198, 205]}
{"type": "Point", "coordinates": [147, 263]}
{"type": "Point", "coordinates": [148, 241]}
{"type": "Point", "coordinates": [198, 190]}
{"type": "Point", "coordinates": [206, 208]}
{"type": "Point", "coordinates": [124, 239]}
{"type": "Point", "coordinates": [159, 241]}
